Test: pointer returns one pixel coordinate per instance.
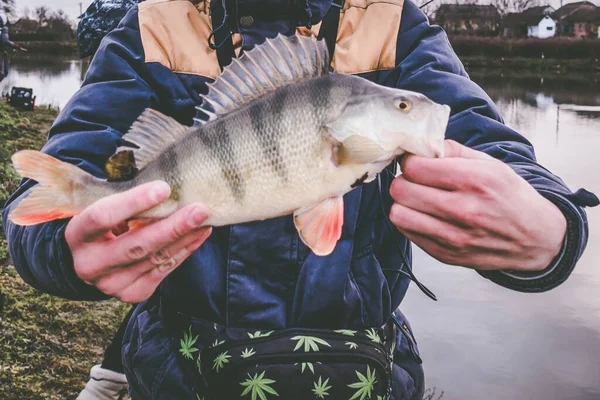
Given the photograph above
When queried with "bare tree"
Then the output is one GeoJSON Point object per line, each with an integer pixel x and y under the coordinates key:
{"type": "Point", "coordinates": [59, 25]}
{"type": "Point", "coordinates": [513, 6]}
{"type": "Point", "coordinates": [41, 13]}
{"type": "Point", "coordinates": [7, 7]}
{"type": "Point", "coordinates": [26, 13]}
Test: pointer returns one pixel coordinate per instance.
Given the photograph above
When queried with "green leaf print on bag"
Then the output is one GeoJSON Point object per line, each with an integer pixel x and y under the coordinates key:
{"type": "Point", "coordinates": [220, 361]}
{"type": "Point", "coordinates": [307, 364]}
{"type": "Point", "coordinates": [258, 334]}
{"type": "Point", "coordinates": [351, 345]}
{"type": "Point", "coordinates": [364, 385]}
{"type": "Point", "coordinates": [187, 343]}
{"type": "Point", "coordinates": [257, 385]}
{"type": "Point", "coordinates": [321, 388]}
{"type": "Point", "coordinates": [309, 342]}
{"type": "Point", "coordinates": [248, 353]}
{"type": "Point", "coordinates": [198, 364]}
{"type": "Point", "coordinates": [347, 332]}
{"type": "Point", "coordinates": [372, 334]}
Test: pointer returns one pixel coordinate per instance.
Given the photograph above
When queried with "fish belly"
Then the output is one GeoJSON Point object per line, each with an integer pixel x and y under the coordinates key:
{"type": "Point", "coordinates": [252, 182]}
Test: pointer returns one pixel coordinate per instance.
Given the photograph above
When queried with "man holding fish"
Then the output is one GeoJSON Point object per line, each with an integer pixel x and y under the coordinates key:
{"type": "Point", "coordinates": [249, 216]}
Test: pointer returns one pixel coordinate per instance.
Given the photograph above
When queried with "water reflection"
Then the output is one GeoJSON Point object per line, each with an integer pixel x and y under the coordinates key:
{"type": "Point", "coordinates": [480, 341]}
{"type": "Point", "coordinates": [53, 80]}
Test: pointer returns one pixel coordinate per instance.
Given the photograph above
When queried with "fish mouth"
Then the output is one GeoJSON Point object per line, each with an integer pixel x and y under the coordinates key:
{"type": "Point", "coordinates": [438, 122]}
{"type": "Point", "coordinates": [428, 141]}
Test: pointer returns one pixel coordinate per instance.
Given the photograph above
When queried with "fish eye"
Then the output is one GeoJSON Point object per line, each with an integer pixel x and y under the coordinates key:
{"type": "Point", "coordinates": [403, 105]}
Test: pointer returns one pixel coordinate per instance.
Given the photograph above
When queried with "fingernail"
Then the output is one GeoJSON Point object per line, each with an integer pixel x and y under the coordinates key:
{"type": "Point", "coordinates": [167, 266]}
{"type": "Point", "coordinates": [159, 192]}
{"type": "Point", "coordinates": [197, 216]}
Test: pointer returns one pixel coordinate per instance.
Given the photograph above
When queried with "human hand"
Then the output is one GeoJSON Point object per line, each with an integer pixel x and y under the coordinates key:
{"type": "Point", "coordinates": [131, 265]}
{"type": "Point", "coordinates": [471, 209]}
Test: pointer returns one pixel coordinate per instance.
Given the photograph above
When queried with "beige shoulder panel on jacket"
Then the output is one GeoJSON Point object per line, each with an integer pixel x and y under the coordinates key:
{"type": "Point", "coordinates": [367, 36]}
{"type": "Point", "coordinates": [175, 34]}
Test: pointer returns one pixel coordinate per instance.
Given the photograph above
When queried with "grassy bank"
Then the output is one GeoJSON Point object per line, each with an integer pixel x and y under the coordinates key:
{"type": "Point", "coordinates": [560, 48]}
{"type": "Point", "coordinates": [522, 66]}
{"type": "Point", "coordinates": [47, 345]}
{"type": "Point", "coordinates": [529, 56]}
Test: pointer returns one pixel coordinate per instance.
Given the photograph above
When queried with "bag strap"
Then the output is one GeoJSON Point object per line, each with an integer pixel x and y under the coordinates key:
{"type": "Point", "coordinates": [330, 25]}
{"type": "Point", "coordinates": [220, 38]}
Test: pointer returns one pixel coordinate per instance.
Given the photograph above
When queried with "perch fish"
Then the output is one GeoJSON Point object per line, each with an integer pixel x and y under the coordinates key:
{"type": "Point", "coordinates": [283, 136]}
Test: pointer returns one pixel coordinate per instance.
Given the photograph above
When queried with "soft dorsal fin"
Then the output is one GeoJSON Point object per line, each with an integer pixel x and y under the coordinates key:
{"type": "Point", "coordinates": [121, 166]}
{"type": "Point", "coordinates": [153, 132]}
{"type": "Point", "coordinates": [273, 64]}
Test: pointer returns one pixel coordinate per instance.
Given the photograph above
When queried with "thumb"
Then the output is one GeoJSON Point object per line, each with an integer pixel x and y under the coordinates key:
{"type": "Point", "coordinates": [455, 149]}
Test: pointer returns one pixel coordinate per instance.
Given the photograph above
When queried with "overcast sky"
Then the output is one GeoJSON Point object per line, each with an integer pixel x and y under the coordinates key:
{"type": "Point", "coordinates": [71, 7]}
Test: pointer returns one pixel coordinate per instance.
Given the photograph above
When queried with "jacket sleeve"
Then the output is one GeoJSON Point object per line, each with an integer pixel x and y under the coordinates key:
{"type": "Point", "coordinates": [426, 63]}
{"type": "Point", "coordinates": [86, 133]}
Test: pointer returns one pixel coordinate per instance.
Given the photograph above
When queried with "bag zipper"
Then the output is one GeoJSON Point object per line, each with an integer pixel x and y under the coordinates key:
{"type": "Point", "coordinates": [299, 332]}
{"type": "Point", "coordinates": [313, 357]}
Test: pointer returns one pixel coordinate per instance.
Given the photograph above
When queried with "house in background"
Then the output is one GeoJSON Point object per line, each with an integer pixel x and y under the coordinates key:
{"type": "Point", "coordinates": [533, 22]}
{"type": "Point", "coordinates": [580, 19]}
{"type": "Point", "coordinates": [468, 19]}
{"type": "Point", "coordinates": [540, 23]}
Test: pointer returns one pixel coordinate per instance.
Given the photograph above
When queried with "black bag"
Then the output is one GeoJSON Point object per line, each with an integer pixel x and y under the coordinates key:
{"type": "Point", "coordinates": [297, 364]}
{"type": "Point", "coordinates": [291, 364]}
{"type": "Point", "coordinates": [22, 98]}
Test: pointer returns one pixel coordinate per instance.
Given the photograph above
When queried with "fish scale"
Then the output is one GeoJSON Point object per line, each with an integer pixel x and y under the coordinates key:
{"type": "Point", "coordinates": [238, 149]}
{"type": "Point", "coordinates": [284, 136]}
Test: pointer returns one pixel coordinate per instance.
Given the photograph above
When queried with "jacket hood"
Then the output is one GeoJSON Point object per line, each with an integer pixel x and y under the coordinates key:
{"type": "Point", "coordinates": [102, 16]}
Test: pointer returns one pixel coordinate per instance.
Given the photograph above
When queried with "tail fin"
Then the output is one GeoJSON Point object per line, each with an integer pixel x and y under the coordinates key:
{"type": "Point", "coordinates": [55, 196]}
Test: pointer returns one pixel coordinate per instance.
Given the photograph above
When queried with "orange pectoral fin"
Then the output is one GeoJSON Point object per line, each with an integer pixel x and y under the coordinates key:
{"type": "Point", "coordinates": [320, 226]}
{"type": "Point", "coordinates": [139, 223]}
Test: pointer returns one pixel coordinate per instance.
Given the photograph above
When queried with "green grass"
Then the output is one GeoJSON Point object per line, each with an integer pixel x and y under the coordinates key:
{"type": "Point", "coordinates": [20, 130]}
{"type": "Point", "coordinates": [47, 344]}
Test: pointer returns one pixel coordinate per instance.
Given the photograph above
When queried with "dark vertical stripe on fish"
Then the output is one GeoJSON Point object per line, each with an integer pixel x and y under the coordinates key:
{"type": "Point", "coordinates": [169, 171]}
{"type": "Point", "coordinates": [320, 94]}
{"type": "Point", "coordinates": [260, 116]}
{"type": "Point", "coordinates": [218, 144]}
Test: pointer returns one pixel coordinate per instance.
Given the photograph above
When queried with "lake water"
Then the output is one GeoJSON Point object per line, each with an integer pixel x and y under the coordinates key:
{"type": "Point", "coordinates": [480, 341]}
{"type": "Point", "coordinates": [52, 81]}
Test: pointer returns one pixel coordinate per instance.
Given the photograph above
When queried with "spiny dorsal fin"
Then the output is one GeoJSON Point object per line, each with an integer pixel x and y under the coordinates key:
{"type": "Point", "coordinates": [153, 132]}
{"type": "Point", "coordinates": [268, 66]}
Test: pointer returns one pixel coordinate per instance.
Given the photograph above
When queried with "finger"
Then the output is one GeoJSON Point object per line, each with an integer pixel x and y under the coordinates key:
{"type": "Point", "coordinates": [442, 173]}
{"type": "Point", "coordinates": [458, 167]}
{"type": "Point", "coordinates": [409, 221]}
{"type": "Point", "coordinates": [432, 201]}
{"type": "Point", "coordinates": [145, 285]}
{"type": "Point", "coordinates": [455, 149]}
{"type": "Point", "coordinates": [119, 280]}
{"type": "Point", "coordinates": [110, 211]}
{"type": "Point", "coordinates": [134, 246]}
{"type": "Point", "coordinates": [482, 261]}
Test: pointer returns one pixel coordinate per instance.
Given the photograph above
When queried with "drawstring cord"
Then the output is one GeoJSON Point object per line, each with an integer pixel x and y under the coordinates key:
{"type": "Point", "coordinates": [394, 232]}
{"type": "Point", "coordinates": [214, 46]}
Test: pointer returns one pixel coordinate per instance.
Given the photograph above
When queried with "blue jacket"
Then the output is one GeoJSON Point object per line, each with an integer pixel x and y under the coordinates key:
{"type": "Point", "coordinates": [259, 275]}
